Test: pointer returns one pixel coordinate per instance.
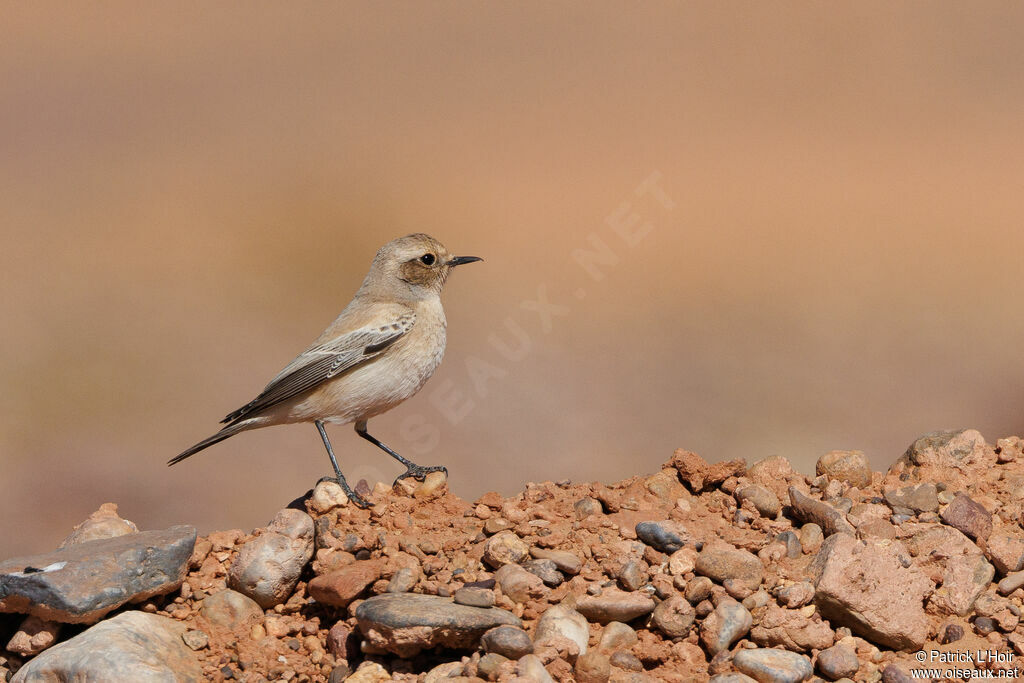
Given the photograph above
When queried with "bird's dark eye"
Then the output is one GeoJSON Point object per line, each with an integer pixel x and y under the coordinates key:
{"type": "Point", "coordinates": [427, 259]}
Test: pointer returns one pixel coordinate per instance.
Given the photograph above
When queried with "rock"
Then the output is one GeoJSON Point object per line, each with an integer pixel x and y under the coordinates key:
{"type": "Point", "coordinates": [230, 610]}
{"type": "Point", "coordinates": [508, 641]}
{"type": "Point", "coordinates": [617, 636]}
{"type": "Point", "coordinates": [404, 580]}
{"type": "Point", "coordinates": [474, 597]}
{"type": "Point", "coordinates": [775, 474]}
{"type": "Point", "coordinates": [369, 672]}
{"type": "Point", "coordinates": [1011, 583]}
{"type": "Point", "coordinates": [405, 624]}
{"type": "Point", "coordinates": [104, 523]}
{"type": "Point", "coordinates": [196, 640]}
{"type": "Point", "coordinates": [565, 562]}
{"type": "Point", "coordinates": [698, 590]}
{"type": "Point", "coordinates": [633, 575]}
{"type": "Point", "coordinates": [895, 674]}
{"type": "Point", "coordinates": [952, 633]}
{"type": "Point", "coordinates": [731, 678]}
{"type": "Point", "coordinates": [796, 595]}
{"type": "Point", "coordinates": [811, 537]}
{"type": "Point", "coordinates": [792, 630]}
{"type": "Point", "coordinates": [968, 517]}
{"type": "Point", "coordinates": [592, 667]}
{"type": "Point", "coordinates": [505, 548]}
{"type": "Point", "coordinates": [1006, 552]}
{"type": "Point", "coordinates": [729, 622]}
{"type": "Point", "coordinates": [919, 498]}
{"type": "Point", "coordinates": [268, 567]}
{"type": "Point", "coordinates": [519, 584]}
{"type": "Point", "coordinates": [33, 636]}
{"type": "Point", "coordinates": [560, 621]}
{"type": "Point", "coordinates": [773, 666]}
{"type": "Point", "coordinates": [838, 661]}
{"type": "Point", "coordinates": [627, 661]}
{"type": "Point", "coordinates": [699, 474]}
{"type": "Point", "coordinates": [723, 563]}
{"type": "Point", "coordinates": [614, 605]}
{"type": "Point", "coordinates": [342, 586]}
{"type": "Point", "coordinates": [763, 500]}
{"type": "Point", "coordinates": [585, 507]}
{"type": "Point", "coordinates": [682, 561]}
{"type": "Point", "coordinates": [327, 496]}
{"type": "Point", "coordinates": [965, 578]}
{"type": "Point", "coordinates": [864, 586]}
{"type": "Point", "coordinates": [877, 528]}
{"type": "Point", "coordinates": [532, 669]}
{"type": "Point", "coordinates": [943, 449]}
{"type": "Point", "coordinates": [132, 646]}
{"type": "Point", "coordinates": [82, 582]}
{"type": "Point", "coordinates": [806, 509]}
{"type": "Point", "coordinates": [488, 665]}
{"type": "Point", "coordinates": [433, 485]}
{"type": "Point", "coordinates": [849, 466]}
{"type": "Point", "coordinates": [666, 535]}
{"type": "Point", "coordinates": [545, 570]}
{"type": "Point", "coordinates": [674, 617]}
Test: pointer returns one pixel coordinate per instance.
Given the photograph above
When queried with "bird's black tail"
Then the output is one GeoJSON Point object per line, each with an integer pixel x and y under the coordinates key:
{"type": "Point", "coordinates": [228, 431]}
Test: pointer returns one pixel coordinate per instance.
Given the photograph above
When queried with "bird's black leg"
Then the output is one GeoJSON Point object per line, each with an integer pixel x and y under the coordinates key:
{"type": "Point", "coordinates": [340, 478]}
{"type": "Point", "coordinates": [417, 472]}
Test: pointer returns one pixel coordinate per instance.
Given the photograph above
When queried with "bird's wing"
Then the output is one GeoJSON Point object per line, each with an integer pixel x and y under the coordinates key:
{"type": "Point", "coordinates": [326, 360]}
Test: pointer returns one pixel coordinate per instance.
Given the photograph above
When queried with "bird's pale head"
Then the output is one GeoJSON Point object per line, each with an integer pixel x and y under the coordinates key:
{"type": "Point", "coordinates": [416, 264]}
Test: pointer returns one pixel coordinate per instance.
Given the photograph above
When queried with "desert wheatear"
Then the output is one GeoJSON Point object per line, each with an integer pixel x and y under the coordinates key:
{"type": "Point", "coordinates": [382, 348]}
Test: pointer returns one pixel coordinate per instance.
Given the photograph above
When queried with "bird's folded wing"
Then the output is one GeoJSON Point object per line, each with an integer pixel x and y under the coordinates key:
{"type": "Point", "coordinates": [324, 361]}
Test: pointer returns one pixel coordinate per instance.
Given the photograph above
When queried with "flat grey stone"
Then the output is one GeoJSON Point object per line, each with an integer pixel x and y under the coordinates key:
{"type": "Point", "coordinates": [773, 666]}
{"type": "Point", "coordinates": [408, 623]}
{"type": "Point", "coordinates": [133, 646]}
{"type": "Point", "coordinates": [81, 583]}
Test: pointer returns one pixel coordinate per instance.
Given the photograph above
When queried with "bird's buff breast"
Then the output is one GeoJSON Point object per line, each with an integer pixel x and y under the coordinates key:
{"type": "Point", "coordinates": [378, 386]}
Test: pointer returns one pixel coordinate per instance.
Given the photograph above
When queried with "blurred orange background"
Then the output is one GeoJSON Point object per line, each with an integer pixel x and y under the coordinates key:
{"type": "Point", "coordinates": [190, 193]}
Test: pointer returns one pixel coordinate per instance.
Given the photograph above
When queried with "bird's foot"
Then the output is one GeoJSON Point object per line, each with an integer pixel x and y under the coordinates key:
{"type": "Point", "coordinates": [352, 495]}
{"type": "Point", "coordinates": [420, 472]}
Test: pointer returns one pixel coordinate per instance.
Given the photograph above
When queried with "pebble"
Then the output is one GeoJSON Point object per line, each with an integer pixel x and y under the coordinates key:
{"type": "Point", "coordinates": [811, 537]}
{"type": "Point", "coordinates": [721, 564]}
{"type": "Point", "coordinates": [403, 580]}
{"type": "Point", "coordinates": [729, 622]}
{"type": "Point", "coordinates": [895, 674]}
{"type": "Point", "coordinates": [614, 605]}
{"type": "Point", "coordinates": [838, 661]}
{"type": "Point", "coordinates": [792, 542]}
{"type": "Point", "coordinates": [952, 633]}
{"type": "Point", "coordinates": [585, 507]}
{"type": "Point", "coordinates": [546, 570]}
{"type": "Point", "coordinates": [627, 661]}
{"type": "Point", "coordinates": [369, 672]}
{"type": "Point", "coordinates": [674, 617]}
{"type": "Point", "coordinates": [132, 646]}
{"type": "Point", "coordinates": [405, 624]}
{"type": "Point", "coordinates": [82, 582]}
{"type": "Point", "coordinates": [592, 667]}
{"type": "Point", "coordinates": [196, 640]}
{"type": "Point", "coordinates": [532, 668]}
{"type": "Point", "coordinates": [918, 498]}
{"type": "Point", "coordinates": [103, 523]}
{"type": "Point", "coordinates": [489, 664]}
{"type": "Point", "coordinates": [230, 609]}
{"type": "Point", "coordinates": [617, 636]}
{"type": "Point", "coordinates": [519, 584]}
{"type": "Point", "coordinates": [731, 678]}
{"type": "Point", "coordinates": [267, 568]}
{"type": "Point", "coordinates": [698, 590]}
{"type": "Point", "coordinates": [510, 642]}
{"type": "Point", "coordinates": [773, 666]}
{"type": "Point", "coordinates": [565, 562]}
{"type": "Point", "coordinates": [829, 519]}
{"type": "Point", "coordinates": [851, 467]}
{"type": "Point", "coordinates": [342, 586]}
{"type": "Point", "coordinates": [763, 500]}
{"type": "Point", "coordinates": [565, 622]}
{"type": "Point", "coordinates": [33, 636]}
{"type": "Point", "coordinates": [667, 536]}
{"type": "Point", "coordinates": [327, 496]}
{"type": "Point", "coordinates": [474, 597]}
{"type": "Point", "coordinates": [682, 561]}
{"type": "Point", "coordinates": [968, 517]}
{"type": "Point", "coordinates": [633, 575]}
{"type": "Point", "coordinates": [504, 548]}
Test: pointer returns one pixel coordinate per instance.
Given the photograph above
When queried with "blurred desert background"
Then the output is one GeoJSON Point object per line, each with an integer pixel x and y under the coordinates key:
{"type": "Point", "coordinates": [824, 208]}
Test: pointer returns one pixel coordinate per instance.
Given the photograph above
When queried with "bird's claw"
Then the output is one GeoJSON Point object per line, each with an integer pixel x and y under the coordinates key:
{"type": "Point", "coordinates": [420, 472]}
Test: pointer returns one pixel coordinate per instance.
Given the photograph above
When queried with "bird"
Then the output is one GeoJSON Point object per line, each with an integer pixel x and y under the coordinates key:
{"type": "Point", "coordinates": [379, 351]}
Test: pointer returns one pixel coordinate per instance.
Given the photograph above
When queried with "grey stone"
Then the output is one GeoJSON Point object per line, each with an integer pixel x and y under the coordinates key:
{"type": "Point", "coordinates": [474, 597]}
{"type": "Point", "coordinates": [546, 570]}
{"type": "Point", "coordinates": [792, 543]}
{"type": "Point", "coordinates": [807, 509]}
{"type": "Point", "coordinates": [614, 605]}
{"type": "Point", "coordinates": [811, 537]}
{"type": "Point", "coordinates": [617, 636]}
{"type": "Point", "coordinates": [721, 564]}
{"type": "Point", "coordinates": [511, 642]}
{"type": "Point", "coordinates": [405, 624]}
{"type": "Point", "coordinates": [230, 609]}
{"type": "Point", "coordinates": [773, 666]}
{"type": "Point", "coordinates": [729, 622]}
{"type": "Point", "coordinates": [731, 677]}
{"type": "Point", "coordinates": [196, 640]}
{"type": "Point", "coordinates": [674, 617]}
{"type": "Point", "coordinates": [403, 580]}
{"type": "Point", "coordinates": [763, 500]}
{"type": "Point", "coordinates": [838, 661]}
{"type": "Point", "coordinates": [133, 646]}
{"type": "Point", "coordinates": [565, 562]}
{"type": "Point", "coordinates": [82, 582]}
{"type": "Point", "coordinates": [968, 517]}
{"type": "Point", "coordinates": [267, 568]}
{"type": "Point", "coordinates": [489, 664]}
{"type": "Point", "coordinates": [633, 575]}
{"type": "Point", "coordinates": [666, 535]}
{"type": "Point", "coordinates": [532, 669]}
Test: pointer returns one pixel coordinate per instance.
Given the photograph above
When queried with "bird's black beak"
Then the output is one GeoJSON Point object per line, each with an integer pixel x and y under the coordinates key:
{"type": "Point", "coordinates": [459, 260]}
